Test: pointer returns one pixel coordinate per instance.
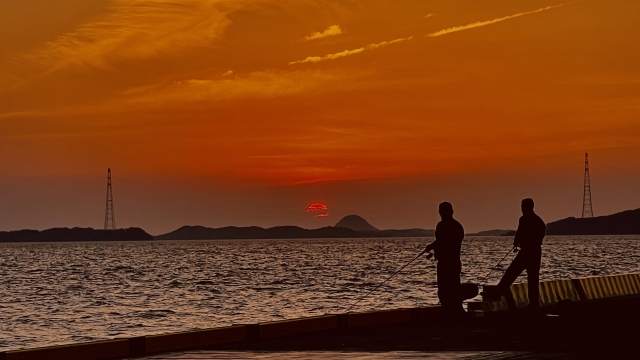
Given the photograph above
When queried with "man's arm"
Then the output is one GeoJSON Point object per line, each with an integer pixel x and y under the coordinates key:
{"type": "Point", "coordinates": [542, 231]}
{"type": "Point", "coordinates": [517, 238]}
{"type": "Point", "coordinates": [434, 244]}
{"type": "Point", "coordinates": [431, 246]}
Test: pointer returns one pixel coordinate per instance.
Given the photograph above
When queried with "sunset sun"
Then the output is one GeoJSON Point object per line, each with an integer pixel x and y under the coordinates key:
{"type": "Point", "coordinates": [318, 210]}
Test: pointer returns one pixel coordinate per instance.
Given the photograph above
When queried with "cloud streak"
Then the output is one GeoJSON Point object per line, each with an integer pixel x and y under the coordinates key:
{"type": "Point", "coordinates": [259, 84]}
{"type": "Point", "coordinates": [338, 55]}
{"type": "Point", "coordinates": [489, 22]}
{"type": "Point", "coordinates": [332, 30]}
{"type": "Point", "coordinates": [204, 92]}
{"type": "Point", "coordinates": [139, 29]}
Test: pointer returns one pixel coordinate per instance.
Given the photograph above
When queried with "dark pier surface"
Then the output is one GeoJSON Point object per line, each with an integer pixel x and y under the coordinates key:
{"type": "Point", "coordinates": [597, 329]}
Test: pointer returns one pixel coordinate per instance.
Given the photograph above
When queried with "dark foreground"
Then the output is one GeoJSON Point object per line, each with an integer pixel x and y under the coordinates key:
{"type": "Point", "coordinates": [597, 329]}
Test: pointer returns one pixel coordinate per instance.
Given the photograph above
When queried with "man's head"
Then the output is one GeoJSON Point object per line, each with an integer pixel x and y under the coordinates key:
{"type": "Point", "coordinates": [527, 206]}
{"type": "Point", "coordinates": [446, 210]}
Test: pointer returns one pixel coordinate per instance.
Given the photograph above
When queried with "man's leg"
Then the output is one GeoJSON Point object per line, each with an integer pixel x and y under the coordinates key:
{"type": "Point", "coordinates": [449, 289]}
{"type": "Point", "coordinates": [447, 308]}
{"type": "Point", "coordinates": [450, 300]}
{"type": "Point", "coordinates": [533, 276]}
{"type": "Point", "coordinates": [457, 291]}
{"type": "Point", "coordinates": [447, 302]}
{"type": "Point", "coordinates": [442, 289]}
{"type": "Point", "coordinates": [513, 271]}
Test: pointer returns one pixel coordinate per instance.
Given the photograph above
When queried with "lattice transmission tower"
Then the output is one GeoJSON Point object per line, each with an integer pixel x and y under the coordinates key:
{"type": "Point", "coordinates": [587, 208]}
{"type": "Point", "coordinates": [109, 215]}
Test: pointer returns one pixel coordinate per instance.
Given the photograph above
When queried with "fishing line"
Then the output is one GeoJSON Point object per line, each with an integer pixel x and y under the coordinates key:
{"type": "Point", "coordinates": [478, 265]}
{"type": "Point", "coordinates": [389, 278]}
{"type": "Point", "coordinates": [495, 267]}
{"type": "Point", "coordinates": [430, 256]}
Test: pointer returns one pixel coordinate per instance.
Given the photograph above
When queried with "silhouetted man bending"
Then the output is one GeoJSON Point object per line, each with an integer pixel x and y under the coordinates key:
{"type": "Point", "coordinates": [449, 236]}
{"type": "Point", "coordinates": [529, 236]}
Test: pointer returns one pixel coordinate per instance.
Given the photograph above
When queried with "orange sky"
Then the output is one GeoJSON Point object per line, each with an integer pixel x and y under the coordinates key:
{"type": "Point", "coordinates": [237, 112]}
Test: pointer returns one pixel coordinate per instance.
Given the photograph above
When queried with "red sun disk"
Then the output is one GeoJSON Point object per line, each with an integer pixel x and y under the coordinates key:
{"type": "Point", "coordinates": [318, 206]}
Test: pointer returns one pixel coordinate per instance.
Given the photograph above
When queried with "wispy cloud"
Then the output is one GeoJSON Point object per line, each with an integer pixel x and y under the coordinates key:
{"type": "Point", "coordinates": [255, 84]}
{"type": "Point", "coordinates": [18, 114]}
{"type": "Point", "coordinates": [332, 30]}
{"type": "Point", "coordinates": [315, 59]}
{"type": "Point", "coordinates": [428, 16]}
{"type": "Point", "coordinates": [131, 29]}
{"type": "Point", "coordinates": [216, 89]}
{"type": "Point", "coordinates": [258, 84]}
{"type": "Point", "coordinates": [489, 22]}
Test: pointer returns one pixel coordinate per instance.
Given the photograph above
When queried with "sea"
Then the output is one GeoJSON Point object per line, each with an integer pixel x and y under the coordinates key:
{"type": "Point", "coordinates": [62, 293]}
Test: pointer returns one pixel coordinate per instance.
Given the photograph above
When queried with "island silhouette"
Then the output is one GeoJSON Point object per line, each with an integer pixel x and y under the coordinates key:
{"type": "Point", "coordinates": [74, 235]}
{"type": "Point", "coordinates": [351, 226]}
{"type": "Point", "coordinates": [496, 232]}
{"type": "Point", "coordinates": [355, 222]}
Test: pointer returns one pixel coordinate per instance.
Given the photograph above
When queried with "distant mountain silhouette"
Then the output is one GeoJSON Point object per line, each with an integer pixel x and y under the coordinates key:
{"type": "Point", "coordinates": [73, 235]}
{"type": "Point", "coordinates": [254, 232]}
{"type": "Point", "coordinates": [622, 223]}
{"type": "Point", "coordinates": [283, 232]}
{"type": "Point", "coordinates": [355, 222]}
{"type": "Point", "coordinates": [496, 232]}
{"type": "Point", "coordinates": [352, 226]}
{"type": "Point", "coordinates": [406, 233]}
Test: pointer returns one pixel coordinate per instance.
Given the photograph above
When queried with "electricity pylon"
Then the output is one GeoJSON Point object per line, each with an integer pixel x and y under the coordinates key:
{"type": "Point", "coordinates": [587, 208]}
{"type": "Point", "coordinates": [109, 215]}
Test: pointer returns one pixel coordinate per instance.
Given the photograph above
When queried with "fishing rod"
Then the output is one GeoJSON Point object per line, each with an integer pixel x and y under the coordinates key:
{"type": "Point", "coordinates": [389, 278]}
{"type": "Point", "coordinates": [495, 267]}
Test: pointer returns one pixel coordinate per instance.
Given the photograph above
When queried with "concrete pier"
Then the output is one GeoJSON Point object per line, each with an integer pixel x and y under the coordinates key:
{"type": "Point", "coordinates": [599, 329]}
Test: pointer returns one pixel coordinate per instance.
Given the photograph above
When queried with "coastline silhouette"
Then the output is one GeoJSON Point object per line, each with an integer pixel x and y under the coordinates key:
{"type": "Point", "coordinates": [622, 223]}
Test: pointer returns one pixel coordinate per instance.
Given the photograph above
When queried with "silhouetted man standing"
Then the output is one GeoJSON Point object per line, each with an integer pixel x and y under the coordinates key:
{"type": "Point", "coordinates": [529, 237]}
{"type": "Point", "coordinates": [449, 236]}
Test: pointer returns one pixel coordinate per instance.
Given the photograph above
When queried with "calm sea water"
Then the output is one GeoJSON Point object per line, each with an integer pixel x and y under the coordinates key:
{"type": "Point", "coordinates": [59, 293]}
